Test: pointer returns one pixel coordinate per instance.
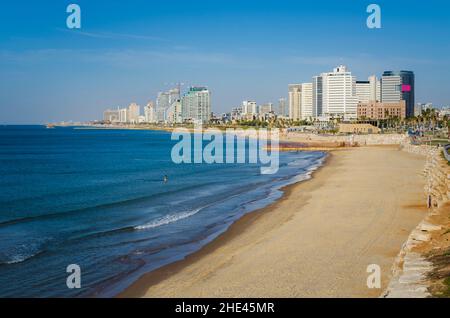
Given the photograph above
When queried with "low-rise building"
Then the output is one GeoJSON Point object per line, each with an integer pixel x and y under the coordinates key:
{"type": "Point", "coordinates": [378, 111]}
{"type": "Point", "coordinates": [236, 113]}
{"type": "Point", "coordinates": [111, 115]}
{"type": "Point", "coordinates": [354, 128]}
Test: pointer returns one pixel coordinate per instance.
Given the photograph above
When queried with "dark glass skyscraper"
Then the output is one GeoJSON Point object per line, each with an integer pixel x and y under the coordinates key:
{"type": "Point", "coordinates": [317, 95]}
{"type": "Point", "coordinates": [396, 86]}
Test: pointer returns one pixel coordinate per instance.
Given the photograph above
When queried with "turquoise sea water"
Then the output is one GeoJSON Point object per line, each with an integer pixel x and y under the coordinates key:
{"type": "Point", "coordinates": [96, 198]}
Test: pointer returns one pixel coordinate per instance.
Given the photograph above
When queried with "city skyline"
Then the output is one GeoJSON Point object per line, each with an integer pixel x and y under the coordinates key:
{"type": "Point", "coordinates": [336, 94]}
{"type": "Point", "coordinates": [134, 50]}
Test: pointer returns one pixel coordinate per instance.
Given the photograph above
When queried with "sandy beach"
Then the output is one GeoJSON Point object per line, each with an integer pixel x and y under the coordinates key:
{"type": "Point", "coordinates": [317, 241]}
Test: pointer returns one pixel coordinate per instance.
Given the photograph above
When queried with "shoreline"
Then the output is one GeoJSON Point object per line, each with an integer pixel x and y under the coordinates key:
{"type": "Point", "coordinates": [313, 226]}
{"type": "Point", "coordinates": [286, 249]}
{"type": "Point", "coordinates": [141, 285]}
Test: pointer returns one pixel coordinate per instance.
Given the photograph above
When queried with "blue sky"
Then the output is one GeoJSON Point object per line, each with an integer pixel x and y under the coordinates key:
{"type": "Point", "coordinates": [127, 51]}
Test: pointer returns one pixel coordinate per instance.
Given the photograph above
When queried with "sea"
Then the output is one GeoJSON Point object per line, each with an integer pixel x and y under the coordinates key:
{"type": "Point", "coordinates": [113, 203]}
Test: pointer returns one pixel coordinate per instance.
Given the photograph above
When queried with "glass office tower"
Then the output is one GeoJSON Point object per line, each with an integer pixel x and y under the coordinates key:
{"type": "Point", "coordinates": [397, 86]}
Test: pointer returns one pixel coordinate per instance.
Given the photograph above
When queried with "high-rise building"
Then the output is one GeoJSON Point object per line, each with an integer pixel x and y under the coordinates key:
{"type": "Point", "coordinates": [306, 111]}
{"type": "Point", "coordinates": [282, 107]}
{"type": "Point", "coordinates": [123, 115]}
{"type": "Point", "coordinates": [295, 95]}
{"type": "Point", "coordinates": [378, 93]}
{"type": "Point", "coordinates": [317, 96]}
{"type": "Point", "coordinates": [175, 116]}
{"type": "Point", "coordinates": [150, 113]}
{"type": "Point", "coordinates": [249, 108]}
{"type": "Point", "coordinates": [363, 91]}
{"type": "Point", "coordinates": [196, 105]}
{"type": "Point", "coordinates": [134, 111]}
{"type": "Point", "coordinates": [174, 113]}
{"type": "Point", "coordinates": [339, 94]}
{"type": "Point", "coordinates": [174, 95]}
{"type": "Point", "coordinates": [301, 101]}
{"type": "Point", "coordinates": [164, 101]}
{"type": "Point", "coordinates": [375, 89]}
{"type": "Point", "coordinates": [162, 104]}
{"type": "Point", "coordinates": [391, 88]}
{"type": "Point", "coordinates": [397, 86]}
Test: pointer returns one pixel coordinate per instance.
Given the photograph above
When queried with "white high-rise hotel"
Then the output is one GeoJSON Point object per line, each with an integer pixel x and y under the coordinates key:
{"type": "Point", "coordinates": [330, 95]}
{"type": "Point", "coordinates": [339, 94]}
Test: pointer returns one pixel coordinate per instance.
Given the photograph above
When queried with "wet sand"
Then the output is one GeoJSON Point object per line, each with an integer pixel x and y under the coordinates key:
{"type": "Point", "coordinates": [316, 241]}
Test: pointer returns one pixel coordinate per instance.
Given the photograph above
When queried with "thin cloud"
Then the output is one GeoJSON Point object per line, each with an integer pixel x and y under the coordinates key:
{"type": "Point", "coordinates": [315, 60]}
{"type": "Point", "coordinates": [144, 57]}
{"type": "Point", "coordinates": [361, 59]}
{"type": "Point", "coordinates": [115, 36]}
{"type": "Point", "coordinates": [119, 58]}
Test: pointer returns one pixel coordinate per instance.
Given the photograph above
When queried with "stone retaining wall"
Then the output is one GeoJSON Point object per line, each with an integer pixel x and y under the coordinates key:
{"type": "Point", "coordinates": [369, 140]}
{"type": "Point", "coordinates": [410, 268]}
{"type": "Point", "coordinates": [436, 172]}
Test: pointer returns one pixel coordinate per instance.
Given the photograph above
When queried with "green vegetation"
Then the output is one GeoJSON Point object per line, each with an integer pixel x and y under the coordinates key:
{"type": "Point", "coordinates": [429, 120]}
{"type": "Point", "coordinates": [440, 142]}
{"type": "Point", "coordinates": [254, 123]}
{"type": "Point", "coordinates": [445, 293]}
{"type": "Point", "coordinates": [272, 123]}
{"type": "Point", "coordinates": [442, 155]}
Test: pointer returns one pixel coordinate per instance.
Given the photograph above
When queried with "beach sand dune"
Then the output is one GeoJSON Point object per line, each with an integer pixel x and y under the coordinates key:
{"type": "Point", "coordinates": [315, 242]}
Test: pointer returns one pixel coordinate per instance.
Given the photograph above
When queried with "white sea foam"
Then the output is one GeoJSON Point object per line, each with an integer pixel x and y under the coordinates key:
{"type": "Point", "coordinates": [21, 252]}
{"type": "Point", "coordinates": [171, 218]}
{"type": "Point", "coordinates": [299, 162]}
{"type": "Point", "coordinates": [19, 258]}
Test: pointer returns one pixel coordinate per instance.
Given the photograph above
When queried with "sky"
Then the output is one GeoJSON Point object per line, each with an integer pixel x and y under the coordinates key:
{"type": "Point", "coordinates": [128, 51]}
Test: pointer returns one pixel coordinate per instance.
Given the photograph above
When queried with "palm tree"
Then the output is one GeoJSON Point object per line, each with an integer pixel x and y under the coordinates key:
{"type": "Point", "coordinates": [446, 123]}
{"type": "Point", "coordinates": [433, 119]}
